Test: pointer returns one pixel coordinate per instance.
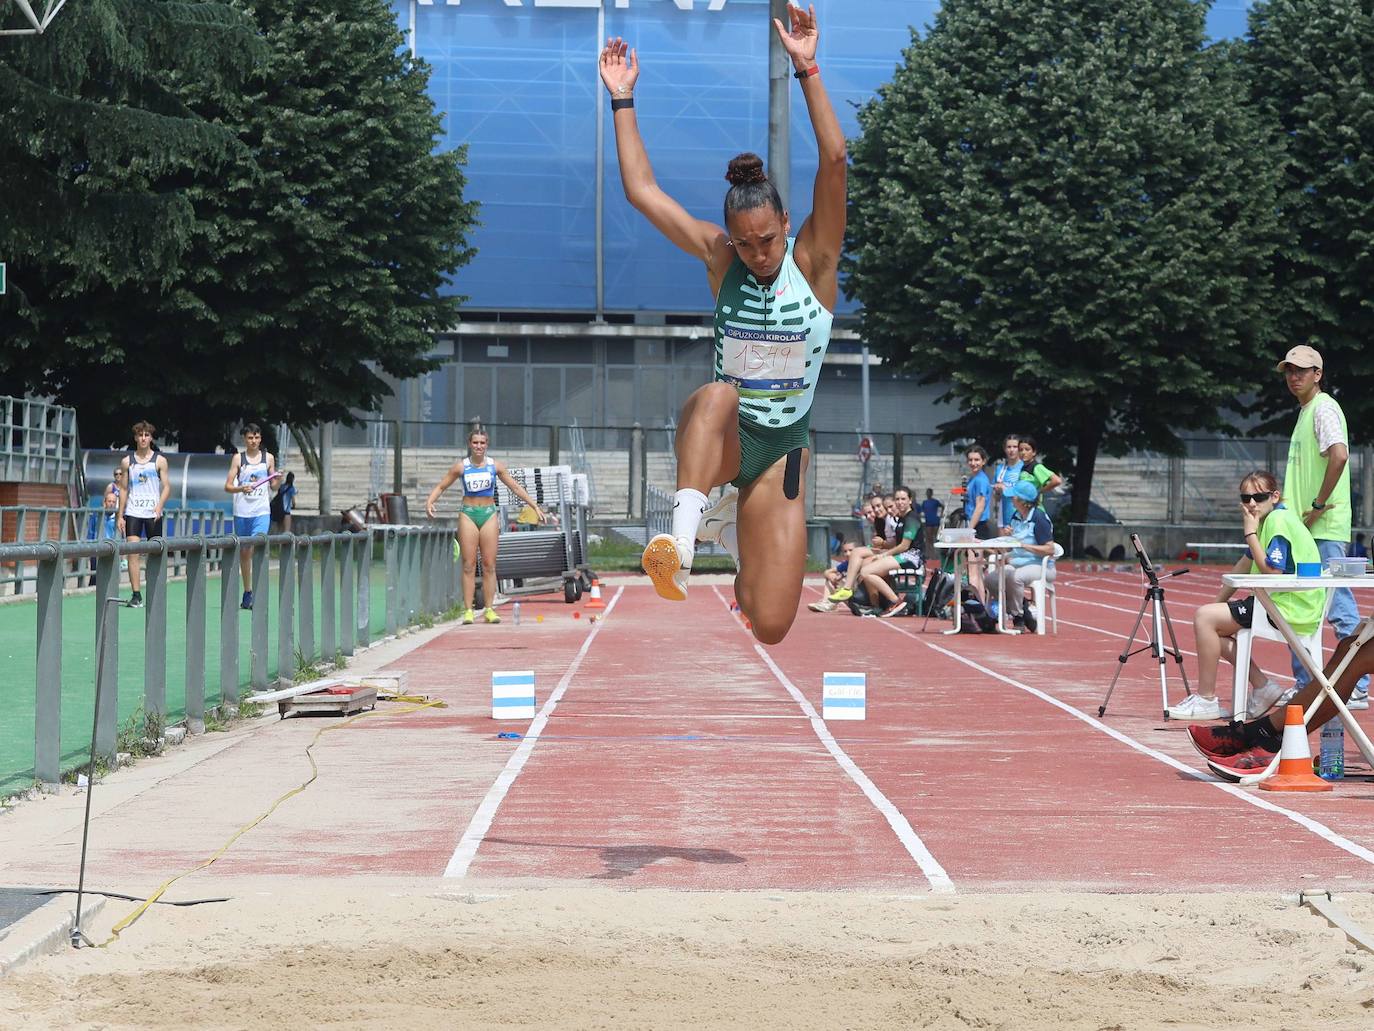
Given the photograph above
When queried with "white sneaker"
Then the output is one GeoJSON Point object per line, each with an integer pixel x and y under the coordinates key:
{"type": "Point", "coordinates": [668, 561]}
{"type": "Point", "coordinates": [718, 525]}
{"type": "Point", "coordinates": [1262, 699]}
{"type": "Point", "coordinates": [824, 605]}
{"type": "Point", "coordinates": [717, 517]}
{"type": "Point", "coordinates": [1195, 707]}
{"type": "Point", "coordinates": [1358, 700]}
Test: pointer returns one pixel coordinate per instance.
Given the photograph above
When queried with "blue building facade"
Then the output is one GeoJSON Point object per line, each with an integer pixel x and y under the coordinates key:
{"type": "Point", "coordinates": [517, 84]}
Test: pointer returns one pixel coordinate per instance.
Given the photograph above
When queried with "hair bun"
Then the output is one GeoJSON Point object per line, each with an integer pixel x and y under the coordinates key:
{"type": "Point", "coordinates": [745, 169]}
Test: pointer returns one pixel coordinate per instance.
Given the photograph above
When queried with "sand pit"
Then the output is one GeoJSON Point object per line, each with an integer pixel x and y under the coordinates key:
{"type": "Point", "coordinates": [434, 955]}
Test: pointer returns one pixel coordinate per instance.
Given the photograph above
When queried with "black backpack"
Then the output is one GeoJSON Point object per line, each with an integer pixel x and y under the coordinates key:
{"type": "Point", "coordinates": [277, 507]}
{"type": "Point", "coordinates": [939, 593]}
{"type": "Point", "coordinates": [976, 618]}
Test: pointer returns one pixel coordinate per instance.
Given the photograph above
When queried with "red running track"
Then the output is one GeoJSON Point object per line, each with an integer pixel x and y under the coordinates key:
{"type": "Point", "coordinates": [679, 754]}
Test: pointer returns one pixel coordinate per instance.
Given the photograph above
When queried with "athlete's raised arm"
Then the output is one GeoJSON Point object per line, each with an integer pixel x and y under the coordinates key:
{"type": "Point", "coordinates": [821, 237]}
{"type": "Point", "coordinates": [620, 72]}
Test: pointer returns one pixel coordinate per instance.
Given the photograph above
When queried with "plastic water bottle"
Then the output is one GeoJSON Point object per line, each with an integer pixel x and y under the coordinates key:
{"type": "Point", "coordinates": [1331, 764]}
{"type": "Point", "coordinates": [515, 613]}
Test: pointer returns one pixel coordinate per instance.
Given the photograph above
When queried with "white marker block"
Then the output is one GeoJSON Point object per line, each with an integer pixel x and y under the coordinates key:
{"type": "Point", "coordinates": [512, 694]}
{"type": "Point", "coordinates": [842, 696]}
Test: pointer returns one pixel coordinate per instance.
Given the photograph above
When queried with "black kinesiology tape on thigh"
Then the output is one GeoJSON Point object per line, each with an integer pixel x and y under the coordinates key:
{"type": "Point", "coordinates": [791, 474]}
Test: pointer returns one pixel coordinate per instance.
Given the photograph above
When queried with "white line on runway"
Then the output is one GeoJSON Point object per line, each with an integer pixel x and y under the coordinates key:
{"type": "Point", "coordinates": [481, 820]}
{"type": "Point", "coordinates": [1320, 829]}
{"type": "Point", "coordinates": [906, 834]}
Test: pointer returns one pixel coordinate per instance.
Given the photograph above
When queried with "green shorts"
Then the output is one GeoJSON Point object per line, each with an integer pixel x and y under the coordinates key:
{"type": "Point", "coordinates": [760, 447]}
{"type": "Point", "coordinates": [479, 514]}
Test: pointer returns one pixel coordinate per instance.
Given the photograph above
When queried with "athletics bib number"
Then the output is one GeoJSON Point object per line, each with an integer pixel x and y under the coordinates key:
{"type": "Point", "coordinates": [771, 362]}
{"type": "Point", "coordinates": [475, 481]}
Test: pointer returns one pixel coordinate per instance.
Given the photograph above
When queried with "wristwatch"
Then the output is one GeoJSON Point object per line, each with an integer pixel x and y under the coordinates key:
{"type": "Point", "coordinates": [1317, 506]}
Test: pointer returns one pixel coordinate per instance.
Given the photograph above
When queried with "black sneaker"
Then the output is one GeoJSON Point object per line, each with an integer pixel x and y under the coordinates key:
{"type": "Point", "coordinates": [1028, 621]}
{"type": "Point", "coordinates": [247, 602]}
{"type": "Point", "coordinates": [135, 600]}
{"type": "Point", "coordinates": [1018, 622]}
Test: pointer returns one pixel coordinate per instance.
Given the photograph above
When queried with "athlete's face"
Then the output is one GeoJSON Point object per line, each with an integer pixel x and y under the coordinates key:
{"type": "Point", "coordinates": [759, 237]}
{"type": "Point", "coordinates": [903, 501]}
{"type": "Point", "coordinates": [1012, 450]}
{"type": "Point", "coordinates": [143, 439]}
{"type": "Point", "coordinates": [477, 446]}
{"type": "Point", "coordinates": [252, 441]}
{"type": "Point", "coordinates": [975, 461]}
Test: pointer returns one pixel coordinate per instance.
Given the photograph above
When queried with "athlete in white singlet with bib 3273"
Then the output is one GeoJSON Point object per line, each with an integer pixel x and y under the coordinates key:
{"type": "Point", "coordinates": [775, 295]}
{"type": "Point", "coordinates": [140, 507]}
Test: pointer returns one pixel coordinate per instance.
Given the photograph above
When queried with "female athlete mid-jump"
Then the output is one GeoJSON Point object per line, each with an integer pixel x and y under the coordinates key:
{"type": "Point", "coordinates": [774, 300]}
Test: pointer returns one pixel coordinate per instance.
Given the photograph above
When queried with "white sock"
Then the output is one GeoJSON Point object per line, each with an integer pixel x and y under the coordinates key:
{"type": "Point", "coordinates": [688, 504]}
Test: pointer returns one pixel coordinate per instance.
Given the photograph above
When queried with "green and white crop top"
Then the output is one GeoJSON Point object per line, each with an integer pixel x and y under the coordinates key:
{"type": "Point", "coordinates": [770, 342]}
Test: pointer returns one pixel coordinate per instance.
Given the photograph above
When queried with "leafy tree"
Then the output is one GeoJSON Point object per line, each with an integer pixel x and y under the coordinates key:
{"type": "Point", "coordinates": [1310, 63]}
{"type": "Point", "coordinates": [1065, 211]}
{"type": "Point", "coordinates": [314, 259]}
{"type": "Point", "coordinates": [91, 121]}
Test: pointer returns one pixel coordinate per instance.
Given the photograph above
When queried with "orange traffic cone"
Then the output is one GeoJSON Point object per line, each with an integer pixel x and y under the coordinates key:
{"type": "Point", "coordinates": [595, 601]}
{"type": "Point", "coordinates": [1295, 758]}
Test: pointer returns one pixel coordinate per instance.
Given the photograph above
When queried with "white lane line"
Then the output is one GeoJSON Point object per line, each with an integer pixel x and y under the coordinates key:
{"type": "Point", "coordinates": [666, 716]}
{"type": "Point", "coordinates": [906, 834]}
{"type": "Point", "coordinates": [481, 820]}
{"type": "Point", "coordinates": [1144, 637]}
{"type": "Point", "coordinates": [1320, 829]}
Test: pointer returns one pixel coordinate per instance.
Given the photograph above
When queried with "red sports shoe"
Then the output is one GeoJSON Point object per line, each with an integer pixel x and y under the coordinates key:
{"type": "Point", "coordinates": [1244, 764]}
{"type": "Point", "coordinates": [1213, 740]}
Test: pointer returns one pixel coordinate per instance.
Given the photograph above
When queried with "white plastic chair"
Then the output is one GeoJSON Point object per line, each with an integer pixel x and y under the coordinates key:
{"type": "Point", "coordinates": [1042, 588]}
{"type": "Point", "coordinates": [1261, 627]}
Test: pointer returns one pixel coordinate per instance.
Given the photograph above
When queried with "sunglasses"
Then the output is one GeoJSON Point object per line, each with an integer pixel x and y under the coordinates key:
{"type": "Point", "coordinates": [1256, 498]}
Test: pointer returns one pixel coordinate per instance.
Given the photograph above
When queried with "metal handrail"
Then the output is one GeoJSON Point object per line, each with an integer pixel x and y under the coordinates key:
{"type": "Point", "coordinates": [421, 581]}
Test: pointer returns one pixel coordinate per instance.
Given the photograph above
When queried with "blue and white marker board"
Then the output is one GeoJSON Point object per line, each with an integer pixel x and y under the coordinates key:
{"type": "Point", "coordinates": [843, 696]}
{"type": "Point", "coordinates": [512, 694]}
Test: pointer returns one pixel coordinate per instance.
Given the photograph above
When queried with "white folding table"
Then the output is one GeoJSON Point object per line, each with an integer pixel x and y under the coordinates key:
{"type": "Point", "coordinates": [1000, 547]}
{"type": "Point", "coordinates": [1263, 586]}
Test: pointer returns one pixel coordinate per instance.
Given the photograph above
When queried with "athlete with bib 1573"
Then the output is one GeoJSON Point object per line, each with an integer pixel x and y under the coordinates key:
{"type": "Point", "coordinates": [477, 529]}
{"type": "Point", "coordinates": [775, 295]}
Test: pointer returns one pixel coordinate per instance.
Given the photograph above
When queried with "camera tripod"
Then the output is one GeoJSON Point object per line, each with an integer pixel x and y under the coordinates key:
{"type": "Point", "coordinates": [1159, 622]}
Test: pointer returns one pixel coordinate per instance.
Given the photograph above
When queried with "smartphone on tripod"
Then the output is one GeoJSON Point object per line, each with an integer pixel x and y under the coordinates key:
{"type": "Point", "coordinates": [1143, 557]}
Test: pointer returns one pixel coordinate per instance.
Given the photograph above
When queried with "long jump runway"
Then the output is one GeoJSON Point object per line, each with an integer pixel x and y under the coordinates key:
{"type": "Point", "coordinates": [679, 754]}
{"type": "Point", "coordinates": [671, 752]}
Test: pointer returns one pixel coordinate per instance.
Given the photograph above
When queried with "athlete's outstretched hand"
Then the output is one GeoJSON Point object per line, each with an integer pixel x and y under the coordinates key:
{"type": "Point", "coordinates": [800, 42]}
{"type": "Point", "coordinates": [620, 68]}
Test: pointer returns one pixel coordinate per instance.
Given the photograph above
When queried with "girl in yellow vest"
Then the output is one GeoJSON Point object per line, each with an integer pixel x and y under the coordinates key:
{"type": "Point", "coordinates": [1276, 541]}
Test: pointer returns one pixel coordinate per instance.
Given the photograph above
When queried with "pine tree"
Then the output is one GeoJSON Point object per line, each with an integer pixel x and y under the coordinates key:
{"type": "Point", "coordinates": [1065, 211]}
{"type": "Point", "coordinates": [314, 258]}
{"type": "Point", "coordinates": [1310, 64]}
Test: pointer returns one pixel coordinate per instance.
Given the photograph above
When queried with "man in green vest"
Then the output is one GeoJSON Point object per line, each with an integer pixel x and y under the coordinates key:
{"type": "Point", "coordinates": [1316, 483]}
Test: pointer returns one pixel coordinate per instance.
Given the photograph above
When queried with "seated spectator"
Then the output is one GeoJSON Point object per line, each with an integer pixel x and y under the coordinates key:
{"type": "Point", "coordinates": [932, 511]}
{"type": "Point", "coordinates": [1026, 564]}
{"type": "Point", "coordinates": [905, 553]}
{"type": "Point", "coordinates": [1236, 750]}
{"type": "Point", "coordinates": [889, 522]}
{"type": "Point", "coordinates": [894, 543]}
{"type": "Point", "coordinates": [834, 577]}
{"type": "Point", "coordinates": [1034, 470]}
{"type": "Point", "coordinates": [1277, 540]}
